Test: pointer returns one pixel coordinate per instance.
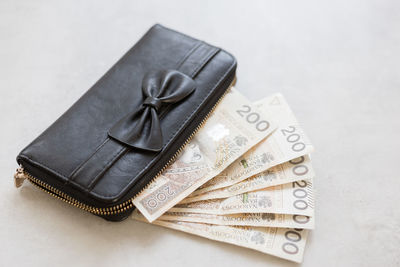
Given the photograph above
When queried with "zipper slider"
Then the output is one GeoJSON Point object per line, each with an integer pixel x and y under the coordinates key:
{"type": "Point", "coordinates": [19, 177]}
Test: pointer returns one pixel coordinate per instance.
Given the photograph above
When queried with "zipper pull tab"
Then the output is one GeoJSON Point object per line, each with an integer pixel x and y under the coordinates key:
{"type": "Point", "coordinates": [19, 177]}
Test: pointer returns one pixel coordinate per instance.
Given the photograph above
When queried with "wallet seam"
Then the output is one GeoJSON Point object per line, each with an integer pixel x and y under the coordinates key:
{"type": "Point", "coordinates": [116, 155]}
{"type": "Point", "coordinates": [71, 176]}
{"type": "Point", "coordinates": [211, 53]}
{"type": "Point", "coordinates": [184, 58]}
{"type": "Point", "coordinates": [44, 166]}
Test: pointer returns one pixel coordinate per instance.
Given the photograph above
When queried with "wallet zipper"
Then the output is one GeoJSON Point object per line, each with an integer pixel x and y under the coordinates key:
{"type": "Point", "coordinates": [21, 175]}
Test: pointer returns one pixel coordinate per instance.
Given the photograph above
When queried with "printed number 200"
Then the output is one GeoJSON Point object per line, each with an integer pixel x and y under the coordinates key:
{"type": "Point", "coordinates": [253, 118]}
{"type": "Point", "coordinates": [294, 138]}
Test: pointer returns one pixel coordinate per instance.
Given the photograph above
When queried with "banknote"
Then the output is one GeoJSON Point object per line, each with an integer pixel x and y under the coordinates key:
{"type": "Point", "coordinates": [286, 143]}
{"type": "Point", "coordinates": [293, 170]}
{"type": "Point", "coordinates": [281, 242]}
{"type": "Point", "coordinates": [226, 136]}
{"type": "Point", "coordinates": [292, 198]}
{"type": "Point", "coordinates": [244, 219]}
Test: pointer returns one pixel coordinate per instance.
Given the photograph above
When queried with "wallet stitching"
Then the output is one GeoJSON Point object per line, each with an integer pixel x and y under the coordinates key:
{"type": "Point", "coordinates": [71, 176]}
{"type": "Point", "coordinates": [100, 173]}
{"type": "Point", "coordinates": [194, 48]}
{"type": "Point", "coordinates": [195, 110]}
{"type": "Point", "coordinates": [44, 166]}
{"type": "Point", "coordinates": [211, 53]}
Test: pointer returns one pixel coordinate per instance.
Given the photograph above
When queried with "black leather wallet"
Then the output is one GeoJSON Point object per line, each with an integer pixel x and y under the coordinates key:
{"type": "Point", "coordinates": [130, 125]}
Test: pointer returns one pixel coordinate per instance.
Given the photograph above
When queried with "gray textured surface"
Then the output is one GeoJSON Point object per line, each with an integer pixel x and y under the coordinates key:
{"type": "Point", "coordinates": [337, 63]}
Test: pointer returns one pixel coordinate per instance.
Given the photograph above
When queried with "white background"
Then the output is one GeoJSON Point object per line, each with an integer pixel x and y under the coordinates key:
{"type": "Point", "coordinates": [337, 63]}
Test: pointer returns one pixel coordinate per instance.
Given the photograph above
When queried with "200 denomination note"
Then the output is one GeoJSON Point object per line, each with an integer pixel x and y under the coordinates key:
{"type": "Point", "coordinates": [293, 170]}
{"type": "Point", "coordinates": [226, 135]}
{"type": "Point", "coordinates": [281, 242]}
{"type": "Point", "coordinates": [286, 143]}
{"type": "Point", "coordinates": [244, 219]}
{"type": "Point", "coordinates": [293, 198]}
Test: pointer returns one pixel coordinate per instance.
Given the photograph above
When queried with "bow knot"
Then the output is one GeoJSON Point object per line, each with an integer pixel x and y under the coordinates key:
{"type": "Point", "coordinates": [141, 128]}
{"type": "Point", "coordinates": [152, 102]}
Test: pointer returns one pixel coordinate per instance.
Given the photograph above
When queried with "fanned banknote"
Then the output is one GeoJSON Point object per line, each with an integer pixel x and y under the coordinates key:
{"type": "Point", "coordinates": [227, 134]}
{"type": "Point", "coordinates": [292, 198]}
{"type": "Point", "coordinates": [286, 143]}
{"type": "Point", "coordinates": [281, 242]}
{"type": "Point", "coordinates": [252, 191]}
{"type": "Point", "coordinates": [244, 219]}
{"type": "Point", "coordinates": [294, 170]}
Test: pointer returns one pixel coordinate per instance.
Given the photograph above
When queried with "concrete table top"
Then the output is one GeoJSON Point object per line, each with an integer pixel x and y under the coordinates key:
{"type": "Point", "coordinates": [336, 62]}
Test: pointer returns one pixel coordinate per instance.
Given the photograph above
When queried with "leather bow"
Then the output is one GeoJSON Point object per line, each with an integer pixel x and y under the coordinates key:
{"type": "Point", "coordinates": [141, 128]}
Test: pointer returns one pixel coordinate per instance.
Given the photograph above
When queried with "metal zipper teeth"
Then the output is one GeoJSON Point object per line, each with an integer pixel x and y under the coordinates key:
{"type": "Point", "coordinates": [127, 204]}
{"type": "Point", "coordinates": [70, 200]}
